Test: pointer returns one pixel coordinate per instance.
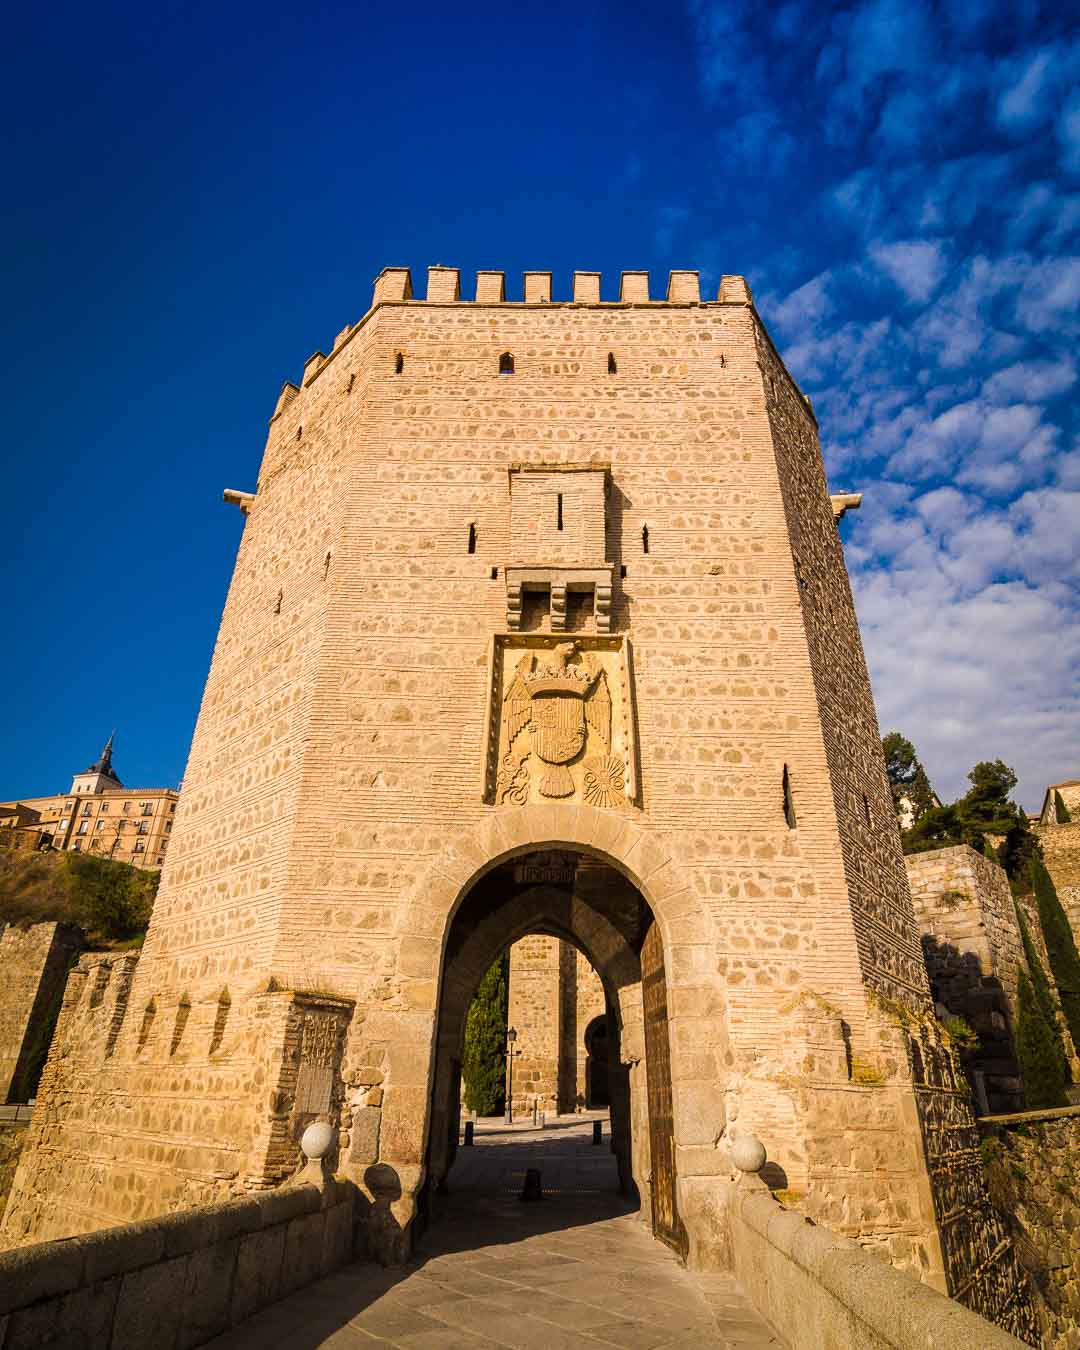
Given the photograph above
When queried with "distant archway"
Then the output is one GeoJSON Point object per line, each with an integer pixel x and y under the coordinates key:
{"type": "Point", "coordinates": [597, 1064]}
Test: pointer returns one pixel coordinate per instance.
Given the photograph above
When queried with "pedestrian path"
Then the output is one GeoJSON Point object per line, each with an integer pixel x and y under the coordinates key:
{"type": "Point", "coordinates": [577, 1269]}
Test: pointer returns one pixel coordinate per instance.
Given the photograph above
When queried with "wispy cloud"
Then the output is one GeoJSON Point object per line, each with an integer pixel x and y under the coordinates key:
{"type": "Point", "coordinates": [921, 274]}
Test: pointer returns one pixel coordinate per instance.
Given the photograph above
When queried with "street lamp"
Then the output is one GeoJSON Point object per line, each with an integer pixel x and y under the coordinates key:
{"type": "Point", "coordinates": [511, 1037]}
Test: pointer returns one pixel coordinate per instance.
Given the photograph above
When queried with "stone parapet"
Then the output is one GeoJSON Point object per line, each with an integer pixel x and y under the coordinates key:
{"type": "Point", "coordinates": [818, 1289]}
{"type": "Point", "coordinates": [175, 1281]}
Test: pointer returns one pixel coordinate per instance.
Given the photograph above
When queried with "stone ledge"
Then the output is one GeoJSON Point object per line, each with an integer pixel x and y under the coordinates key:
{"type": "Point", "coordinates": [863, 1303]}
{"type": "Point", "coordinates": [1030, 1117]}
{"type": "Point", "coordinates": [180, 1278]}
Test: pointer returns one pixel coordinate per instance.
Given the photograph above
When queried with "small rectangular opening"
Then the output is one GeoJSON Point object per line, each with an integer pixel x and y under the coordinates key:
{"type": "Point", "coordinates": [559, 511]}
{"type": "Point", "coordinates": [494, 574]}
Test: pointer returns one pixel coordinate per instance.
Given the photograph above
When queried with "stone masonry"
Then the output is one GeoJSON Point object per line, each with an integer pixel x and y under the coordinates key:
{"type": "Point", "coordinates": [34, 962]}
{"type": "Point", "coordinates": [974, 951]}
{"type": "Point", "coordinates": [560, 574]}
{"type": "Point", "coordinates": [555, 996]}
{"type": "Point", "coordinates": [1033, 1162]}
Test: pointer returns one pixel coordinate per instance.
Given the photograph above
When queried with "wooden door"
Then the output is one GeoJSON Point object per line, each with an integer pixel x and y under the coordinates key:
{"type": "Point", "coordinates": [667, 1225]}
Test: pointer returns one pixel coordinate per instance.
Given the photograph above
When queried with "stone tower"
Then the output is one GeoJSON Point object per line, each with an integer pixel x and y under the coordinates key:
{"type": "Point", "coordinates": [539, 623]}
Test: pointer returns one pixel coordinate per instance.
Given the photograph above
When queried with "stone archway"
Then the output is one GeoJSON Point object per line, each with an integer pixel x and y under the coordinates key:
{"type": "Point", "coordinates": [409, 1030]}
{"type": "Point", "coordinates": [476, 941]}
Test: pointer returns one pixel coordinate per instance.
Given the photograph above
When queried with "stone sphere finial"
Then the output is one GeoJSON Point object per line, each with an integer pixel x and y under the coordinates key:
{"type": "Point", "coordinates": [316, 1140]}
{"type": "Point", "coordinates": [748, 1153]}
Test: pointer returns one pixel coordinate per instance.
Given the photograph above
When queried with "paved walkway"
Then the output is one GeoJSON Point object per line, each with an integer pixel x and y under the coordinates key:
{"type": "Point", "coordinates": [575, 1270]}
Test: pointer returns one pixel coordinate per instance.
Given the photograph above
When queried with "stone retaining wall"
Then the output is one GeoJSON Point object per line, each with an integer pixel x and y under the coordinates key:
{"type": "Point", "coordinates": [1032, 1162]}
{"type": "Point", "coordinates": [174, 1282]}
{"type": "Point", "coordinates": [818, 1289]}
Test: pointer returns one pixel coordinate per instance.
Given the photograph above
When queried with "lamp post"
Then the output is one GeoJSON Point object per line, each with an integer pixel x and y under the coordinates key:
{"type": "Point", "coordinates": [511, 1037]}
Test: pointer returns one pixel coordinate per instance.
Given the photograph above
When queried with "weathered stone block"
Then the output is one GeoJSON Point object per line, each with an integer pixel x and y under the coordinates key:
{"type": "Point", "coordinates": [303, 1251]}
{"type": "Point", "coordinates": [258, 1276]}
{"type": "Point", "coordinates": [207, 1292]}
{"type": "Point", "coordinates": [149, 1306]}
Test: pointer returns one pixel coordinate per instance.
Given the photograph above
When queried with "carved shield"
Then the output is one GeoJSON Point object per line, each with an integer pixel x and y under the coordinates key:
{"type": "Point", "coordinates": [558, 726]}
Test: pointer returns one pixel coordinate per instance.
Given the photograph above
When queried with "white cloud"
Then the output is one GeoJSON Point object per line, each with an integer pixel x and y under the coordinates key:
{"type": "Point", "coordinates": [1031, 380]}
{"type": "Point", "coordinates": [1026, 101]}
{"type": "Point", "coordinates": [916, 266]}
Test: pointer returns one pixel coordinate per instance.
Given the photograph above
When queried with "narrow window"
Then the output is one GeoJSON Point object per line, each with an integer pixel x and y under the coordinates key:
{"type": "Point", "coordinates": [789, 804]}
{"type": "Point", "coordinates": [224, 1003]}
{"type": "Point", "coordinates": [506, 364]}
{"type": "Point", "coordinates": [612, 365]}
{"type": "Point", "coordinates": [183, 1012]}
{"type": "Point", "coordinates": [472, 537]}
{"type": "Point", "coordinates": [494, 574]}
{"type": "Point", "coordinates": [644, 538]}
{"type": "Point", "coordinates": [299, 432]}
{"type": "Point", "coordinates": [866, 809]}
{"type": "Point", "coordinates": [559, 511]}
{"type": "Point", "coordinates": [326, 565]}
{"type": "Point", "coordinates": [352, 381]}
{"type": "Point", "coordinates": [147, 1023]}
{"type": "Point", "coordinates": [723, 363]}
{"type": "Point", "coordinates": [399, 363]}
{"type": "Point", "coordinates": [277, 602]}
{"type": "Point", "coordinates": [622, 571]}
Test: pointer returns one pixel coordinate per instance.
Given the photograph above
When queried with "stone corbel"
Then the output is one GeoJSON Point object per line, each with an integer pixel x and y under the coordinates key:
{"type": "Point", "coordinates": [845, 501]}
{"type": "Point", "coordinates": [233, 497]}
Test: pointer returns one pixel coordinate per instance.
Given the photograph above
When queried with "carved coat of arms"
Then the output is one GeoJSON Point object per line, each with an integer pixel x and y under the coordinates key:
{"type": "Point", "coordinates": [553, 705]}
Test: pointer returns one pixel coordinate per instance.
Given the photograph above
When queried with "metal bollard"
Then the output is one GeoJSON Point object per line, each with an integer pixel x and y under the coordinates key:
{"type": "Point", "coordinates": [469, 1127]}
{"type": "Point", "coordinates": [532, 1190]}
{"type": "Point", "coordinates": [597, 1131]}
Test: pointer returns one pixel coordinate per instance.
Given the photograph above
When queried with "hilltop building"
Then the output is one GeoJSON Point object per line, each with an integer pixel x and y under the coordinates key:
{"type": "Point", "coordinates": [97, 815]}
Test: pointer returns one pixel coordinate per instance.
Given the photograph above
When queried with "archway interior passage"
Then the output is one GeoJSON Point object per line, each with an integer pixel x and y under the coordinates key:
{"type": "Point", "coordinates": [591, 908]}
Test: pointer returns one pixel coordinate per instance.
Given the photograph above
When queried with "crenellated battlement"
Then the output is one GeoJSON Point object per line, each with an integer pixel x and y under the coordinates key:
{"type": "Point", "coordinates": [393, 285]}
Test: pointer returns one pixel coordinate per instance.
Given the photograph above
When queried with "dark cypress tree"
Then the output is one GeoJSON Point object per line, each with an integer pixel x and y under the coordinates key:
{"type": "Point", "coordinates": [1041, 988]}
{"type": "Point", "coordinates": [1061, 811]}
{"type": "Point", "coordinates": [1060, 945]}
{"type": "Point", "coordinates": [1038, 1052]}
{"type": "Point", "coordinates": [483, 1063]}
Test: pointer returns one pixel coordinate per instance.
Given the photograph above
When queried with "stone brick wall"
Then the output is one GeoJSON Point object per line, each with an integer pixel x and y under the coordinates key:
{"type": "Point", "coordinates": [535, 1012]}
{"type": "Point", "coordinates": [1032, 1162]}
{"type": "Point", "coordinates": [1061, 851]}
{"type": "Point", "coordinates": [973, 950]}
{"type": "Point", "coordinates": [179, 1281]}
{"type": "Point", "coordinates": [34, 963]}
{"type": "Point", "coordinates": [554, 996]}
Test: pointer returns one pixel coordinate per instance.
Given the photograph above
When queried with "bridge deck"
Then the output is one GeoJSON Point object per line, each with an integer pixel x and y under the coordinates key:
{"type": "Point", "coordinates": [575, 1270]}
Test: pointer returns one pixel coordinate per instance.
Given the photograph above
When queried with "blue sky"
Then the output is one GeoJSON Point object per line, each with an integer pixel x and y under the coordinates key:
{"type": "Point", "coordinates": [202, 195]}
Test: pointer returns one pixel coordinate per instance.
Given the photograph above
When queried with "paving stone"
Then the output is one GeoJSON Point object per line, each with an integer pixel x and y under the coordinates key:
{"type": "Point", "coordinates": [576, 1272]}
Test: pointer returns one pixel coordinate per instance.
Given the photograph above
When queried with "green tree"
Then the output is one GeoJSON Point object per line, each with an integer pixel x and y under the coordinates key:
{"type": "Point", "coordinates": [1038, 1052]}
{"type": "Point", "coordinates": [907, 777]}
{"type": "Point", "coordinates": [1060, 945]}
{"type": "Point", "coordinates": [483, 1063]}
{"type": "Point", "coordinates": [981, 815]}
{"type": "Point", "coordinates": [1061, 811]}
